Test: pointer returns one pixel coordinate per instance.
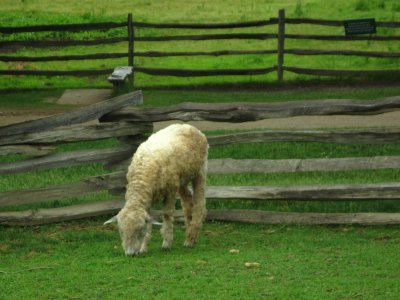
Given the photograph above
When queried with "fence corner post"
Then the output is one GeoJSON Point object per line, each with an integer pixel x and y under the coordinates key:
{"type": "Point", "coordinates": [281, 43]}
{"type": "Point", "coordinates": [131, 35]}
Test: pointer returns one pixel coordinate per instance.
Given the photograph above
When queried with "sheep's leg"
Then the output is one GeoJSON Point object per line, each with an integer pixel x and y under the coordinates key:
{"type": "Point", "coordinates": [146, 239]}
{"type": "Point", "coordinates": [187, 202]}
{"type": "Point", "coordinates": [198, 210]}
{"type": "Point", "coordinates": [167, 228]}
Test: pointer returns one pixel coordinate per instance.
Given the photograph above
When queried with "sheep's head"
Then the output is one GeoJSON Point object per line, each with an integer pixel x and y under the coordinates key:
{"type": "Point", "coordinates": [132, 227]}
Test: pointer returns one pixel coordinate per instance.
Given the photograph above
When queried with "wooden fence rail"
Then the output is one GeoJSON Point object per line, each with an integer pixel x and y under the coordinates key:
{"type": "Point", "coordinates": [244, 112]}
{"type": "Point", "coordinates": [131, 38]}
{"type": "Point", "coordinates": [45, 134]}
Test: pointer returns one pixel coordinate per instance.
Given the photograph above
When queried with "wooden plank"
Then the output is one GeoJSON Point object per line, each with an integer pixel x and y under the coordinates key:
{"type": "Point", "coordinates": [111, 207]}
{"type": "Point", "coordinates": [339, 136]}
{"type": "Point", "coordinates": [243, 112]}
{"type": "Point", "coordinates": [26, 150]}
{"type": "Point", "coordinates": [61, 43]}
{"type": "Point", "coordinates": [342, 37]}
{"type": "Point", "coordinates": [325, 72]}
{"type": "Point", "coordinates": [338, 23]}
{"type": "Point", "coordinates": [342, 52]}
{"type": "Point", "coordinates": [201, 53]}
{"type": "Point", "coordinates": [83, 73]}
{"type": "Point", "coordinates": [83, 187]}
{"type": "Point", "coordinates": [202, 72]}
{"type": "Point", "coordinates": [69, 159]}
{"type": "Point", "coordinates": [270, 217]}
{"type": "Point", "coordinates": [62, 27]}
{"type": "Point", "coordinates": [8, 58]}
{"type": "Point", "coordinates": [307, 193]}
{"type": "Point", "coordinates": [238, 166]}
{"type": "Point", "coordinates": [117, 181]}
{"type": "Point", "coordinates": [204, 37]}
{"type": "Point", "coordinates": [76, 133]}
{"type": "Point", "coordinates": [77, 116]}
{"type": "Point", "coordinates": [207, 25]}
{"type": "Point", "coordinates": [52, 215]}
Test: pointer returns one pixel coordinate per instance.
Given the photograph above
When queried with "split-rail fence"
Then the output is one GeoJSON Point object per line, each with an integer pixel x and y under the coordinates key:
{"type": "Point", "coordinates": [121, 118]}
{"type": "Point", "coordinates": [133, 48]}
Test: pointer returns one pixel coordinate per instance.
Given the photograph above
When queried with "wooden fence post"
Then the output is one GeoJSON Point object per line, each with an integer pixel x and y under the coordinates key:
{"type": "Point", "coordinates": [281, 43]}
{"type": "Point", "coordinates": [131, 34]}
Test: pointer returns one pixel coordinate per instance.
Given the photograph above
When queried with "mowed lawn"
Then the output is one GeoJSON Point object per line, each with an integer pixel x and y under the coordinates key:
{"type": "Point", "coordinates": [84, 260]}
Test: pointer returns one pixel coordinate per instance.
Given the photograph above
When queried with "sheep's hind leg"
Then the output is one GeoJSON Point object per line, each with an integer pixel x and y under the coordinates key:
{"type": "Point", "coordinates": [167, 228]}
{"type": "Point", "coordinates": [198, 210]}
{"type": "Point", "coordinates": [187, 202]}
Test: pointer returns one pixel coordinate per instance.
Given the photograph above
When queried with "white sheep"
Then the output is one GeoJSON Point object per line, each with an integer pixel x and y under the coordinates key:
{"type": "Point", "coordinates": [162, 167]}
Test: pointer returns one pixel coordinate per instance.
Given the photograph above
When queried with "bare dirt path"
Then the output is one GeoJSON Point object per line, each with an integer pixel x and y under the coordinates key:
{"type": "Point", "coordinates": [83, 97]}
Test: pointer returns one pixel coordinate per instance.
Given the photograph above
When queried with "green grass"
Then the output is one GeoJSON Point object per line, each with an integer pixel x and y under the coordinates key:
{"type": "Point", "coordinates": [18, 13]}
{"type": "Point", "coordinates": [85, 260]}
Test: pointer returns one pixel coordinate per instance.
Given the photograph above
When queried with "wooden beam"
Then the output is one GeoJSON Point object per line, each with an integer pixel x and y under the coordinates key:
{"type": "Point", "coordinates": [111, 207]}
{"type": "Point", "coordinates": [307, 193]}
{"type": "Point", "coordinates": [81, 115]}
{"type": "Point", "coordinates": [83, 187]}
{"type": "Point", "coordinates": [339, 136]}
{"type": "Point", "coordinates": [57, 73]}
{"type": "Point", "coordinates": [69, 159]}
{"type": "Point", "coordinates": [243, 112]}
{"type": "Point", "coordinates": [238, 166]}
{"type": "Point", "coordinates": [342, 37]}
{"type": "Point", "coordinates": [270, 217]}
{"type": "Point", "coordinates": [325, 72]}
{"type": "Point", "coordinates": [68, 213]}
{"type": "Point", "coordinates": [62, 27]}
{"type": "Point", "coordinates": [8, 58]}
{"type": "Point", "coordinates": [202, 53]}
{"type": "Point", "coordinates": [26, 150]}
{"type": "Point", "coordinates": [342, 52]}
{"type": "Point", "coordinates": [76, 133]}
{"type": "Point", "coordinates": [204, 37]}
{"type": "Point", "coordinates": [116, 181]}
{"type": "Point", "coordinates": [206, 25]}
{"type": "Point", "coordinates": [60, 43]}
{"type": "Point", "coordinates": [202, 72]}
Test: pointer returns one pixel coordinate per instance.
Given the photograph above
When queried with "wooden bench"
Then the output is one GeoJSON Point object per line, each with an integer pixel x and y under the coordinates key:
{"type": "Point", "coordinates": [359, 26]}
{"type": "Point", "coordinates": [119, 76]}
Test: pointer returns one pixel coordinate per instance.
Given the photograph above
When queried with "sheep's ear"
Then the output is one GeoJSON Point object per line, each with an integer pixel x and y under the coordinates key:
{"type": "Point", "coordinates": [112, 220]}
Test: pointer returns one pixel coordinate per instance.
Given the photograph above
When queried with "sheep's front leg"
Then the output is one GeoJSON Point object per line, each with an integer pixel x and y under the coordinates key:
{"type": "Point", "coordinates": [198, 210]}
{"type": "Point", "coordinates": [167, 228]}
{"type": "Point", "coordinates": [146, 239]}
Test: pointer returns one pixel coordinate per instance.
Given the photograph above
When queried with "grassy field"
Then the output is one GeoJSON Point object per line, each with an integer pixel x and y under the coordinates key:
{"type": "Point", "coordinates": [84, 260]}
{"type": "Point", "coordinates": [58, 12]}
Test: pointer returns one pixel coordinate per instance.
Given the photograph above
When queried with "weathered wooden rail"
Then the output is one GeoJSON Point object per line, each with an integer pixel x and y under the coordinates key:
{"type": "Point", "coordinates": [131, 38]}
{"type": "Point", "coordinates": [121, 120]}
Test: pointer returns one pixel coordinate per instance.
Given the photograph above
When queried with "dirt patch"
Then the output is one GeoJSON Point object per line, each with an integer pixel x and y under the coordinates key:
{"type": "Point", "coordinates": [84, 96]}
{"type": "Point", "coordinates": [74, 98]}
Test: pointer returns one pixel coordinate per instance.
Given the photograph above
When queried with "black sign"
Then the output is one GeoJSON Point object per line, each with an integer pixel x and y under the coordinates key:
{"type": "Point", "coordinates": [360, 26]}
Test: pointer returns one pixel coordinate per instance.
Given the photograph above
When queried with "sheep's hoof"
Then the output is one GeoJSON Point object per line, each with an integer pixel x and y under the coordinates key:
{"type": "Point", "coordinates": [166, 245]}
{"type": "Point", "coordinates": [189, 243]}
